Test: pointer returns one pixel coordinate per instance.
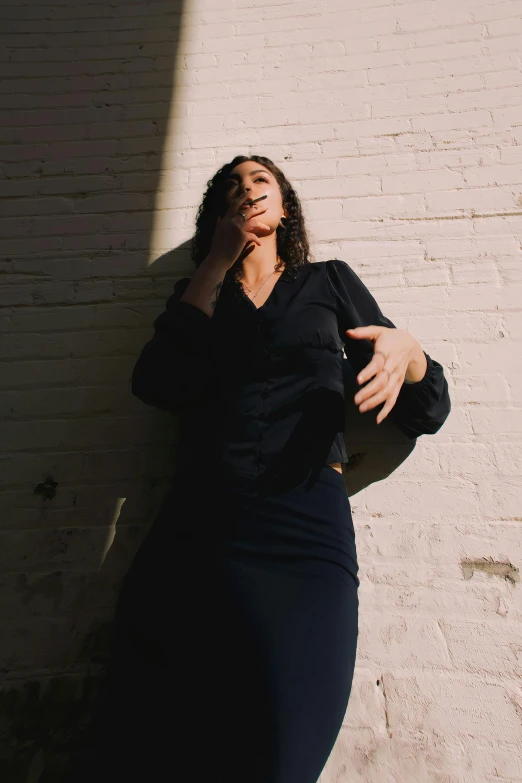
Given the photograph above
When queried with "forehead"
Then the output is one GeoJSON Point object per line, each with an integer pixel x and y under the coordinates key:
{"type": "Point", "coordinates": [248, 168]}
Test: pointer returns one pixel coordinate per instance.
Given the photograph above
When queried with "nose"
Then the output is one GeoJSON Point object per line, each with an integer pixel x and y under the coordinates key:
{"type": "Point", "coordinates": [243, 190]}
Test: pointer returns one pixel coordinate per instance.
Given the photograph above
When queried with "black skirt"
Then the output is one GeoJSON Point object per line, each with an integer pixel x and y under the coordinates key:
{"type": "Point", "coordinates": [235, 637]}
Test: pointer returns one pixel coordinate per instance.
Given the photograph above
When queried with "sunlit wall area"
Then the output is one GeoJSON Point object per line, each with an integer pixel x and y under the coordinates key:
{"type": "Point", "coordinates": [400, 125]}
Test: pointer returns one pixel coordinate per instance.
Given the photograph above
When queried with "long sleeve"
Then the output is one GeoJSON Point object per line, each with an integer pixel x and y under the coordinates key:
{"type": "Point", "coordinates": [421, 408]}
{"type": "Point", "coordinates": [174, 370]}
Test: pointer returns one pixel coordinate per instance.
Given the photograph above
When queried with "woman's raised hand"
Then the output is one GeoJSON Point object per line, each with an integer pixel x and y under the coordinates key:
{"type": "Point", "coordinates": [234, 236]}
{"type": "Point", "coordinates": [396, 354]}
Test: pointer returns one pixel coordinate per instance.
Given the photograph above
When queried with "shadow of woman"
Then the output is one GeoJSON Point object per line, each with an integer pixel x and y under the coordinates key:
{"type": "Point", "coordinates": [374, 450]}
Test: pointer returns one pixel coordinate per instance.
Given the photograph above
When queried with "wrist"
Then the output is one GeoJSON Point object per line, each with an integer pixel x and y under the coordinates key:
{"type": "Point", "coordinates": [417, 366]}
{"type": "Point", "coordinates": [217, 261]}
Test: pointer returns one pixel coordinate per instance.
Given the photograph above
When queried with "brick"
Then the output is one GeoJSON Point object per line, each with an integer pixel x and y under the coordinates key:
{"type": "Point", "coordinates": [349, 186]}
{"type": "Point", "coordinates": [493, 175]}
{"type": "Point", "coordinates": [478, 272]}
{"type": "Point", "coordinates": [407, 108]}
{"type": "Point", "coordinates": [505, 26]}
{"type": "Point", "coordinates": [504, 499]}
{"type": "Point", "coordinates": [32, 402]}
{"type": "Point", "coordinates": [485, 99]}
{"type": "Point", "coordinates": [326, 209]}
{"type": "Point", "coordinates": [81, 433]}
{"type": "Point", "coordinates": [502, 79]}
{"type": "Point", "coordinates": [422, 182]}
{"type": "Point", "coordinates": [383, 207]}
{"type": "Point", "coordinates": [444, 85]}
{"type": "Point", "coordinates": [424, 500]}
{"type": "Point", "coordinates": [451, 20]}
{"type": "Point", "coordinates": [448, 51]}
{"type": "Point", "coordinates": [216, 45]}
{"type": "Point", "coordinates": [405, 73]}
{"type": "Point", "coordinates": [402, 641]}
{"type": "Point", "coordinates": [455, 121]}
{"type": "Point", "coordinates": [367, 705]}
{"type": "Point", "coordinates": [496, 421]}
{"type": "Point", "coordinates": [487, 388]}
{"type": "Point", "coordinates": [427, 275]}
{"type": "Point", "coordinates": [75, 344]}
{"type": "Point", "coordinates": [467, 459]}
{"type": "Point", "coordinates": [509, 458]}
{"type": "Point", "coordinates": [376, 127]}
{"type": "Point", "coordinates": [483, 297]}
{"type": "Point", "coordinates": [491, 11]}
{"type": "Point", "coordinates": [470, 247]}
{"type": "Point", "coordinates": [494, 200]}
{"type": "Point", "coordinates": [446, 704]}
{"type": "Point", "coordinates": [497, 355]}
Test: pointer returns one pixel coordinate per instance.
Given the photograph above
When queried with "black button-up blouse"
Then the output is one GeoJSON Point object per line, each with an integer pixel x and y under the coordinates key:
{"type": "Point", "coordinates": [260, 391]}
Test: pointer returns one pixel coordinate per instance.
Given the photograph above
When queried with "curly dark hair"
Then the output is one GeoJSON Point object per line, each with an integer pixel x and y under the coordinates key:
{"type": "Point", "coordinates": [292, 241]}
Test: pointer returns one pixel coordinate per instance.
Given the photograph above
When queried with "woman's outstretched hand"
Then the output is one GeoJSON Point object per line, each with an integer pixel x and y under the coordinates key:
{"type": "Point", "coordinates": [397, 355]}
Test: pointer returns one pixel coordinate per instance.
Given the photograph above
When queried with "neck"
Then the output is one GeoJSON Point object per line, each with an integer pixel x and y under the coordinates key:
{"type": "Point", "coordinates": [259, 263]}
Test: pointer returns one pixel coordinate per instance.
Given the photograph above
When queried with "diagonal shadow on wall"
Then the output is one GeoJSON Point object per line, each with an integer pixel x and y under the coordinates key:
{"type": "Point", "coordinates": [88, 90]}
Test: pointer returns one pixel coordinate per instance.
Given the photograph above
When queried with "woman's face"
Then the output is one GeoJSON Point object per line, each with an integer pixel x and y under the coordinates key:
{"type": "Point", "coordinates": [250, 180]}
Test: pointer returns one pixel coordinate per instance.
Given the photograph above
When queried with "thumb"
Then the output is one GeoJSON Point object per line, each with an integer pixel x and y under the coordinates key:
{"type": "Point", "coordinates": [364, 332]}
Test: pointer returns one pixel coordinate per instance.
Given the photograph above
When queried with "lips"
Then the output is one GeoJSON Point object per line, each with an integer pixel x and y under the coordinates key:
{"type": "Point", "coordinates": [251, 201]}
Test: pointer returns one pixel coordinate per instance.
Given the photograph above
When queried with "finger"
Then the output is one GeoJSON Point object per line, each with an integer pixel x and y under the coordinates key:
{"type": "Point", "coordinates": [365, 332]}
{"type": "Point", "coordinates": [262, 226]}
{"type": "Point", "coordinates": [234, 205]}
{"type": "Point", "coordinates": [237, 217]}
{"type": "Point", "coordinates": [257, 212]}
{"type": "Point", "coordinates": [376, 365]}
{"type": "Point", "coordinates": [380, 396]}
{"type": "Point", "coordinates": [390, 402]}
{"type": "Point", "coordinates": [253, 238]}
{"type": "Point", "coordinates": [367, 397]}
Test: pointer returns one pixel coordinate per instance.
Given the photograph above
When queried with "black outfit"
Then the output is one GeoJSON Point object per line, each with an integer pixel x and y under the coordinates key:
{"type": "Point", "coordinates": [239, 614]}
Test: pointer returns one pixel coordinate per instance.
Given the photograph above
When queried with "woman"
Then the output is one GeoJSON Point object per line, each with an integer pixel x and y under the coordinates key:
{"type": "Point", "coordinates": [236, 633]}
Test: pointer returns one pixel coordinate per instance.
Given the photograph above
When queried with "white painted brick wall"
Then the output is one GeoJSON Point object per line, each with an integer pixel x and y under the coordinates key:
{"type": "Point", "coordinates": [401, 126]}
